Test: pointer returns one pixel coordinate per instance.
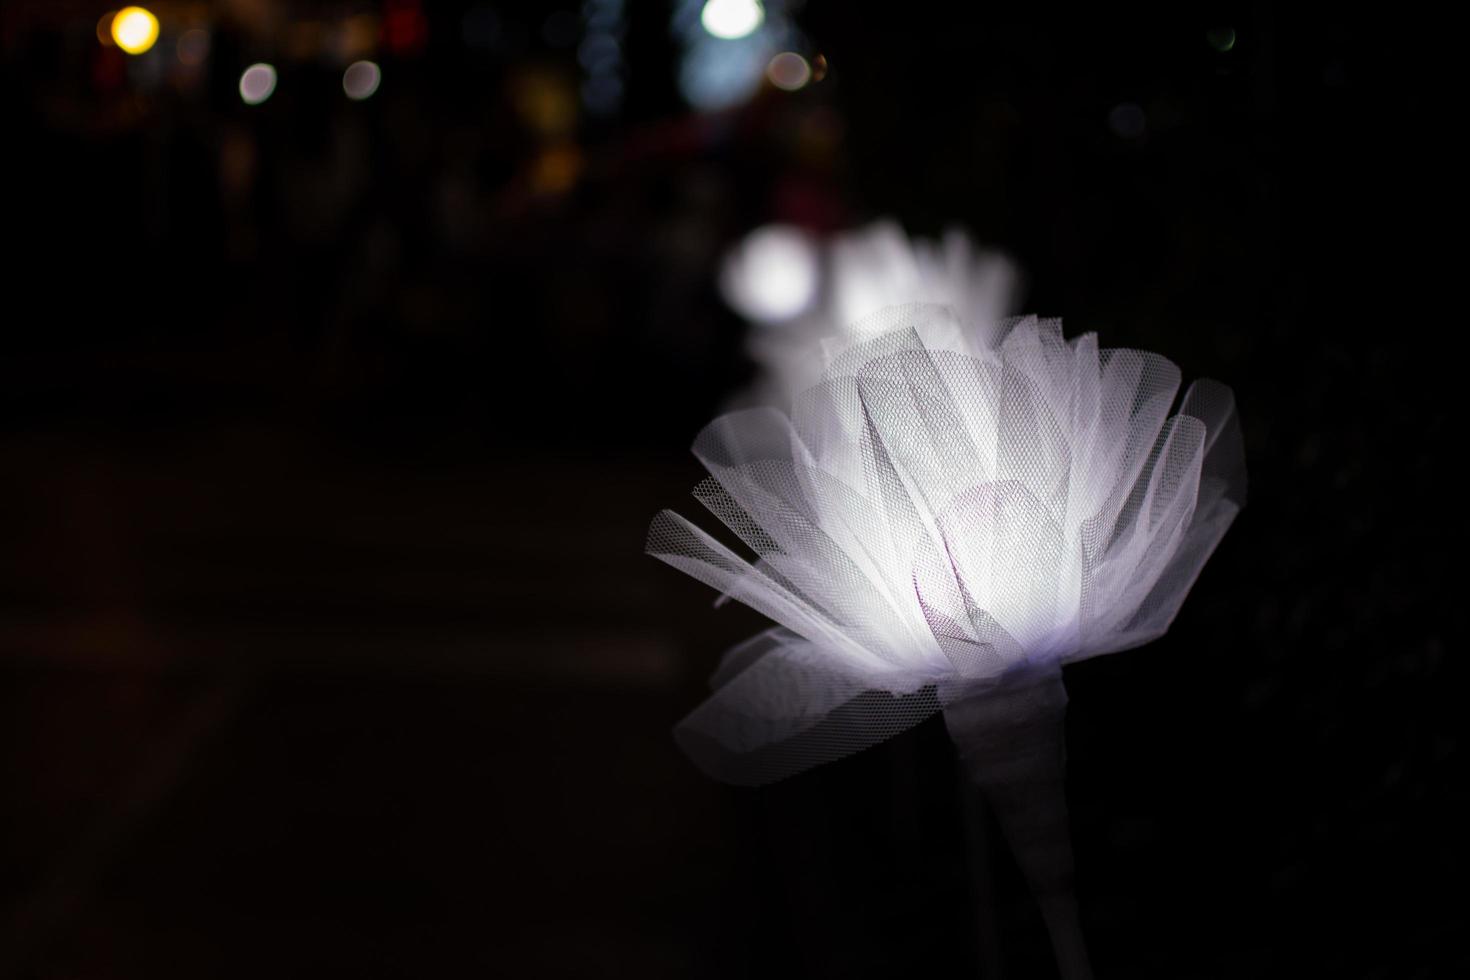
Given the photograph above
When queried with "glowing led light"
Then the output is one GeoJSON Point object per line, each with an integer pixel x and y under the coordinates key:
{"type": "Point", "coordinates": [257, 83]}
{"type": "Point", "coordinates": [361, 80]}
{"type": "Point", "coordinates": [193, 46]}
{"type": "Point", "coordinates": [789, 71]}
{"type": "Point", "coordinates": [731, 19]}
{"type": "Point", "coordinates": [773, 275]}
{"type": "Point", "coordinates": [134, 30]}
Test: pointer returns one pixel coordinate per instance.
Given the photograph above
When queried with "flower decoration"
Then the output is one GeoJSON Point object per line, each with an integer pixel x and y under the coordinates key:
{"type": "Point", "coordinates": [936, 517]}
{"type": "Point", "coordinates": [805, 295]}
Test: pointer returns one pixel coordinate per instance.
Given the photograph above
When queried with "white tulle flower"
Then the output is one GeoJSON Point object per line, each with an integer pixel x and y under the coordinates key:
{"type": "Point", "coordinates": [804, 295]}
{"type": "Point", "coordinates": [936, 515]}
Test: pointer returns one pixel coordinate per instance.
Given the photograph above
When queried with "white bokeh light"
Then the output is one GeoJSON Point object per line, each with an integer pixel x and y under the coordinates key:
{"type": "Point", "coordinates": [789, 71]}
{"type": "Point", "coordinates": [772, 275]}
{"type": "Point", "coordinates": [860, 272]}
{"type": "Point", "coordinates": [732, 19]}
{"type": "Point", "coordinates": [257, 83]}
{"type": "Point", "coordinates": [361, 80]}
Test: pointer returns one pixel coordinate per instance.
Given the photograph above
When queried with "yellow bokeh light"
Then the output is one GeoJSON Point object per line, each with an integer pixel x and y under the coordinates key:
{"type": "Point", "coordinates": [556, 169]}
{"type": "Point", "coordinates": [134, 29]}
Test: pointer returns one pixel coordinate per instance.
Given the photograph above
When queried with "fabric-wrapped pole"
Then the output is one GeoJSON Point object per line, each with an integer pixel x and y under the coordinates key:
{"type": "Point", "coordinates": [1011, 742]}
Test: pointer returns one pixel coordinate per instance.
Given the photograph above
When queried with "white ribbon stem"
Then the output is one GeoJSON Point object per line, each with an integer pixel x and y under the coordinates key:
{"type": "Point", "coordinates": [1011, 742]}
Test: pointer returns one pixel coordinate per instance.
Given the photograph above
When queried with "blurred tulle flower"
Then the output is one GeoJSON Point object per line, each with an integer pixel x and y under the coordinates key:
{"type": "Point", "coordinates": [935, 516]}
{"type": "Point", "coordinates": [773, 275]}
{"type": "Point", "coordinates": [804, 294]}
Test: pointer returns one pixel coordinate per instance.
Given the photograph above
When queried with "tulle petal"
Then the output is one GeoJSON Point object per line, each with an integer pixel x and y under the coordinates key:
{"type": "Point", "coordinates": [934, 515]}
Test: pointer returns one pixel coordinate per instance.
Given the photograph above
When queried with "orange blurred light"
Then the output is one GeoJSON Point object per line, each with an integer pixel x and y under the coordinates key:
{"type": "Point", "coordinates": [104, 29]}
{"type": "Point", "coordinates": [356, 38]}
{"type": "Point", "coordinates": [556, 170]}
{"type": "Point", "coordinates": [304, 39]}
{"type": "Point", "coordinates": [545, 100]}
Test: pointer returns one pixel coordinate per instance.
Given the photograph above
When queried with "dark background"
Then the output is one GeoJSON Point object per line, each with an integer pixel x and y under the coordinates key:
{"type": "Point", "coordinates": [330, 432]}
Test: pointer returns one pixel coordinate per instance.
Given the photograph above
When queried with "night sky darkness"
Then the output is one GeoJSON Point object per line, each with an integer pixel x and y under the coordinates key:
{"type": "Point", "coordinates": [330, 433]}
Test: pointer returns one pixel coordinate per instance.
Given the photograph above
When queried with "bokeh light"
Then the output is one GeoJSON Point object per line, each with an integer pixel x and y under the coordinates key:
{"type": "Point", "coordinates": [597, 51]}
{"type": "Point", "coordinates": [104, 29]}
{"type": "Point", "coordinates": [546, 100]}
{"type": "Point", "coordinates": [193, 46]}
{"type": "Point", "coordinates": [722, 74]}
{"type": "Point", "coordinates": [773, 275]}
{"type": "Point", "coordinates": [556, 169]}
{"type": "Point", "coordinates": [257, 83]}
{"type": "Point", "coordinates": [134, 30]}
{"type": "Point", "coordinates": [361, 80]}
{"type": "Point", "coordinates": [789, 71]}
{"type": "Point", "coordinates": [728, 47]}
{"type": "Point", "coordinates": [1222, 39]}
{"type": "Point", "coordinates": [405, 26]}
{"type": "Point", "coordinates": [732, 19]}
{"type": "Point", "coordinates": [601, 94]}
{"type": "Point", "coordinates": [355, 39]}
{"type": "Point", "coordinates": [601, 55]}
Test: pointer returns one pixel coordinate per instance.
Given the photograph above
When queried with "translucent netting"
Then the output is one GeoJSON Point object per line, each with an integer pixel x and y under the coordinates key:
{"type": "Point", "coordinates": [934, 513]}
{"type": "Point", "coordinates": [864, 271]}
{"type": "Point", "coordinates": [879, 266]}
